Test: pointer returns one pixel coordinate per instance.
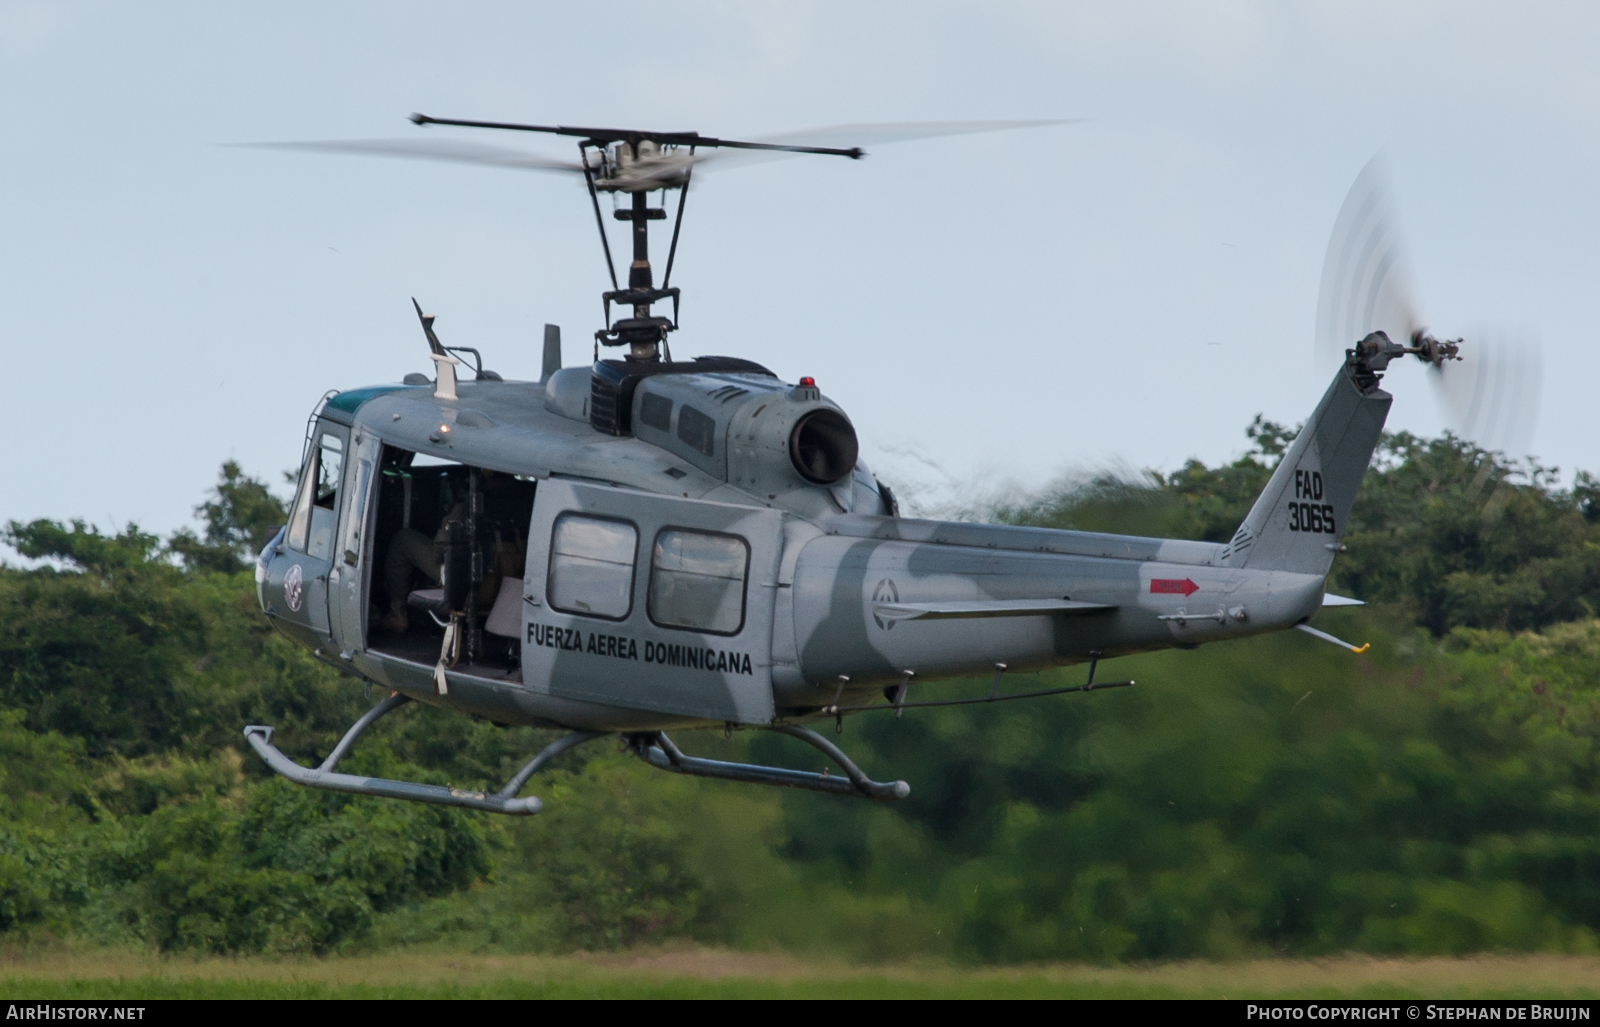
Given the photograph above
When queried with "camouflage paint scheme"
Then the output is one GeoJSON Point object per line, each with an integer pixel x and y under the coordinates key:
{"type": "Point", "coordinates": [838, 587]}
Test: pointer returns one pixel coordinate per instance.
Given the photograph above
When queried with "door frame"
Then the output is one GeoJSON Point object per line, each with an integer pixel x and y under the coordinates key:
{"type": "Point", "coordinates": [350, 582]}
{"type": "Point", "coordinates": [295, 578]}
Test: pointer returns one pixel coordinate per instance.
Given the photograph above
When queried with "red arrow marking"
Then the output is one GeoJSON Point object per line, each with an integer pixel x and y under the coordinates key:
{"type": "Point", "coordinates": [1173, 586]}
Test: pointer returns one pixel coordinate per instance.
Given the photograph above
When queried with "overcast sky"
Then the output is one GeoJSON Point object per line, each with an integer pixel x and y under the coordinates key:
{"type": "Point", "coordinates": [1126, 291]}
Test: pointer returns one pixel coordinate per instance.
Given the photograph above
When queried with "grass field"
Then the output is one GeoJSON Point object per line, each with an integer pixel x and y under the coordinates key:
{"type": "Point", "coordinates": [710, 973]}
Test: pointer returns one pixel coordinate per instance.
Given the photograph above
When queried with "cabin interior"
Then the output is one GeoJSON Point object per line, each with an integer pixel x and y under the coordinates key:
{"type": "Point", "coordinates": [419, 498]}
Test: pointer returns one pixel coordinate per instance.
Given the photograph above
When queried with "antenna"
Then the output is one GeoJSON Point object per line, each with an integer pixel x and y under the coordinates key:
{"type": "Point", "coordinates": [552, 352]}
{"type": "Point", "coordinates": [444, 382]}
{"type": "Point", "coordinates": [427, 329]}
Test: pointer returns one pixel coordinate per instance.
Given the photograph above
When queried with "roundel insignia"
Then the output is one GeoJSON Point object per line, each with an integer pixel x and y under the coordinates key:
{"type": "Point", "coordinates": [292, 587]}
{"type": "Point", "coordinates": [886, 592]}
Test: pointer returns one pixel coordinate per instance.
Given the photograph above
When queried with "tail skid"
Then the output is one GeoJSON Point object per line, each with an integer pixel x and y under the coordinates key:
{"type": "Point", "coordinates": [1341, 643]}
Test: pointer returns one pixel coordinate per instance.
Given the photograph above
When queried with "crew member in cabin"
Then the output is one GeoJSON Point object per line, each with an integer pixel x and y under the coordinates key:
{"type": "Point", "coordinates": [412, 552]}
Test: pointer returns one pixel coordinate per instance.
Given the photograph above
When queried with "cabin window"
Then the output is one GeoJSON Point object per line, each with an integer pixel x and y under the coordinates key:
{"type": "Point", "coordinates": [698, 430]}
{"type": "Point", "coordinates": [316, 507]}
{"type": "Point", "coordinates": [656, 412]}
{"type": "Point", "coordinates": [591, 566]}
{"type": "Point", "coordinates": [697, 580]}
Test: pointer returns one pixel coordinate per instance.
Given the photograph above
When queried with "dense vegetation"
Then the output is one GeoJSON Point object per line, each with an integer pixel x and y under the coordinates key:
{"type": "Point", "coordinates": [1441, 794]}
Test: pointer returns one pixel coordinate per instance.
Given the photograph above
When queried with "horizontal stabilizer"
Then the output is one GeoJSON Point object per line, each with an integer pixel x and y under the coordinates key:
{"type": "Point", "coordinates": [985, 608]}
{"type": "Point", "coordinates": [1329, 599]}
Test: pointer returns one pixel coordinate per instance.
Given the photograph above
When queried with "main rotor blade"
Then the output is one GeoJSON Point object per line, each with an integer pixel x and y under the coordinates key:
{"type": "Point", "coordinates": [1366, 284]}
{"type": "Point", "coordinates": [452, 150]}
{"type": "Point", "coordinates": [725, 153]}
{"type": "Point", "coordinates": [603, 136]}
{"type": "Point", "coordinates": [872, 134]}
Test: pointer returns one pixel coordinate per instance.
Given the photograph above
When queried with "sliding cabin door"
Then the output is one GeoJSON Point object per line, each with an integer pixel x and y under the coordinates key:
{"type": "Point", "coordinates": [651, 602]}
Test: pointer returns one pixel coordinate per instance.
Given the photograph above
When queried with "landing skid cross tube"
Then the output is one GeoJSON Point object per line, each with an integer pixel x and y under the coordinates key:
{"type": "Point", "coordinates": [324, 777]}
{"type": "Point", "coordinates": [656, 749]}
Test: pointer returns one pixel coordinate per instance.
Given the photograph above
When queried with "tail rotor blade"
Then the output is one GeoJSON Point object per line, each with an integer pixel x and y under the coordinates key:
{"type": "Point", "coordinates": [1366, 283]}
{"type": "Point", "coordinates": [1491, 395]}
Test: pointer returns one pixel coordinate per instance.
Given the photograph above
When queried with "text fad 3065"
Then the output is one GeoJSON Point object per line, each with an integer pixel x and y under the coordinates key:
{"type": "Point", "coordinates": [1305, 512]}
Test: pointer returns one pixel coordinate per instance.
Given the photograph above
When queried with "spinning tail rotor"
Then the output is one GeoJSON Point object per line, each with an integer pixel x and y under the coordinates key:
{"type": "Point", "coordinates": [1487, 384]}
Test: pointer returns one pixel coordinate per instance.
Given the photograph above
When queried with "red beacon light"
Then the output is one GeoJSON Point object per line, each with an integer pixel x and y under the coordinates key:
{"type": "Point", "coordinates": [808, 382]}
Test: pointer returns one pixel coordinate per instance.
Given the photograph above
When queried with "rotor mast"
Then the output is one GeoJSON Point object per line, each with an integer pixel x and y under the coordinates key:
{"type": "Point", "coordinates": [639, 163]}
{"type": "Point", "coordinates": [643, 333]}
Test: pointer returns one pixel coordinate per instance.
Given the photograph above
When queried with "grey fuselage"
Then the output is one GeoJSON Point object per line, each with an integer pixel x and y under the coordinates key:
{"type": "Point", "coordinates": [840, 596]}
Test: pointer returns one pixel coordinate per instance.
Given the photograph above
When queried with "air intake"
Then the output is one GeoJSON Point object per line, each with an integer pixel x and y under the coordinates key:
{"type": "Point", "coordinates": [823, 446]}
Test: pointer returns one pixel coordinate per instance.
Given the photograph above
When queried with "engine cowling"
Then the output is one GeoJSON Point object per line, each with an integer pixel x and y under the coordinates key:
{"type": "Point", "coordinates": [753, 431]}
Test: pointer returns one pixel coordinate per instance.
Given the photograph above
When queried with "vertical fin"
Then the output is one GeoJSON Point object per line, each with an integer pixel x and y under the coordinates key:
{"type": "Point", "coordinates": [1299, 519]}
{"type": "Point", "coordinates": [552, 352]}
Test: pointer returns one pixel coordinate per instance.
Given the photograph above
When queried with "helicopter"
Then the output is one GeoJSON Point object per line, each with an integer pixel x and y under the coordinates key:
{"type": "Point", "coordinates": [641, 544]}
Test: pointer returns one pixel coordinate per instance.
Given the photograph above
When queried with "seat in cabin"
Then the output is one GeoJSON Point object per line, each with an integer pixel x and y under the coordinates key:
{"type": "Point", "coordinates": [505, 617]}
{"type": "Point", "coordinates": [430, 599]}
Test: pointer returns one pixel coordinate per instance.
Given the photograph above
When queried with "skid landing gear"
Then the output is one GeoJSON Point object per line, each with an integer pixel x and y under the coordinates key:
{"type": "Point", "coordinates": [503, 801]}
{"type": "Point", "coordinates": [654, 747]}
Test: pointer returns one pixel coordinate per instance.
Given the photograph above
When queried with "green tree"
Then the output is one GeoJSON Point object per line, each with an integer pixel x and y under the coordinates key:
{"type": "Point", "coordinates": [240, 519]}
{"type": "Point", "coordinates": [1215, 501]}
{"type": "Point", "coordinates": [609, 860]}
{"type": "Point", "coordinates": [1195, 501]}
{"type": "Point", "coordinates": [1459, 537]}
